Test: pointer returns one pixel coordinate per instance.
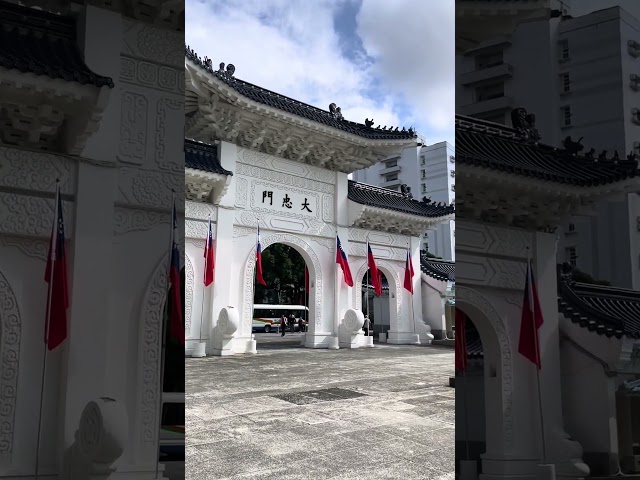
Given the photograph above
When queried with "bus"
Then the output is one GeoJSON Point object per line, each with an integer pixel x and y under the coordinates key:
{"type": "Point", "coordinates": [267, 317]}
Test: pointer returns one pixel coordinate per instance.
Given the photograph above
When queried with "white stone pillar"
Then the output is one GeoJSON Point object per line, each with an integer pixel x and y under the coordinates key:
{"type": "Point", "coordinates": [229, 281]}
{"type": "Point", "coordinates": [342, 300]}
{"type": "Point", "coordinates": [418, 322]}
{"type": "Point", "coordinates": [92, 370]}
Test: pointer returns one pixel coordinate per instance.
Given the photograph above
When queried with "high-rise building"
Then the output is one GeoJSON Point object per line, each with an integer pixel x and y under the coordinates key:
{"type": "Point", "coordinates": [580, 78]}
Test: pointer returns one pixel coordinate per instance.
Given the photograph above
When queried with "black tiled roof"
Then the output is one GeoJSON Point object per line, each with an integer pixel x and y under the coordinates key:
{"type": "Point", "coordinates": [438, 269]}
{"type": "Point", "coordinates": [295, 107]}
{"type": "Point", "coordinates": [610, 311]}
{"type": "Point", "coordinates": [497, 147]}
{"type": "Point", "coordinates": [391, 200]}
{"type": "Point", "coordinates": [35, 41]}
{"type": "Point", "coordinates": [202, 156]}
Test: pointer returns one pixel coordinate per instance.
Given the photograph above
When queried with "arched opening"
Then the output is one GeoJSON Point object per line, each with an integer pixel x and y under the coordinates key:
{"type": "Point", "coordinates": [376, 307]}
{"type": "Point", "coordinates": [484, 421]}
{"type": "Point", "coordinates": [281, 309]}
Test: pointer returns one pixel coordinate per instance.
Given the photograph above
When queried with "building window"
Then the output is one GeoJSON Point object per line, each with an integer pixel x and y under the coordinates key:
{"type": "Point", "coordinates": [391, 163]}
{"type": "Point", "coordinates": [453, 173]}
{"type": "Point", "coordinates": [566, 115]}
{"type": "Point", "coordinates": [424, 188]}
{"type": "Point", "coordinates": [422, 160]}
{"type": "Point", "coordinates": [452, 159]}
{"type": "Point", "coordinates": [392, 177]}
{"type": "Point", "coordinates": [489, 60]}
{"type": "Point", "coordinates": [572, 257]}
{"type": "Point", "coordinates": [489, 92]}
{"type": "Point", "coordinates": [563, 50]}
{"type": "Point", "coordinates": [572, 227]}
{"type": "Point", "coordinates": [423, 174]}
{"type": "Point", "coordinates": [565, 83]}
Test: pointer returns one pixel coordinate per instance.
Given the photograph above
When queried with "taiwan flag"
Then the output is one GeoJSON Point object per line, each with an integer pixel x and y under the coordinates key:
{"type": "Point", "coordinates": [56, 276]}
{"type": "Point", "coordinates": [408, 273]}
{"type": "Point", "coordinates": [341, 259]}
{"type": "Point", "coordinates": [531, 320]}
{"type": "Point", "coordinates": [259, 261]}
{"type": "Point", "coordinates": [208, 258]}
{"type": "Point", "coordinates": [375, 276]}
{"type": "Point", "coordinates": [174, 295]}
{"type": "Point", "coordinates": [461, 341]}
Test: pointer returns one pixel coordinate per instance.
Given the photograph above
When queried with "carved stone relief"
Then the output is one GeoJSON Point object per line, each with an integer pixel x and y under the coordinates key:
{"type": "Point", "coordinates": [243, 232]}
{"type": "Point", "coordinates": [133, 220]}
{"type": "Point", "coordinates": [490, 240]}
{"type": "Point", "coordinates": [362, 235]}
{"type": "Point", "coordinates": [31, 216]}
{"type": "Point", "coordinates": [200, 211]}
{"type": "Point", "coordinates": [167, 107]}
{"type": "Point", "coordinates": [241, 192]}
{"type": "Point", "coordinates": [149, 188]}
{"type": "Point", "coordinates": [281, 165]}
{"type": "Point", "coordinates": [133, 128]}
{"type": "Point", "coordinates": [284, 178]}
{"type": "Point", "coordinates": [196, 229]}
{"type": "Point", "coordinates": [472, 297]}
{"type": "Point", "coordinates": [154, 44]}
{"type": "Point", "coordinates": [188, 301]}
{"type": "Point", "coordinates": [327, 208]}
{"type": "Point", "coordinates": [360, 250]}
{"type": "Point", "coordinates": [491, 272]}
{"type": "Point", "coordinates": [151, 75]}
{"type": "Point", "coordinates": [152, 309]}
{"type": "Point", "coordinates": [10, 325]}
{"type": "Point", "coordinates": [36, 171]}
{"type": "Point", "coordinates": [249, 275]}
{"type": "Point", "coordinates": [34, 248]}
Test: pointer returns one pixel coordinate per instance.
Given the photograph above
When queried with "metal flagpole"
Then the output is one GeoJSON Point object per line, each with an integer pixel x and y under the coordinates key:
{"type": "Point", "coordinates": [413, 317]}
{"type": "Point", "coordinates": [366, 292]}
{"type": "Point", "coordinates": [52, 253]}
{"type": "Point", "coordinates": [337, 278]}
{"type": "Point", "coordinates": [255, 266]}
{"type": "Point", "coordinates": [539, 362]}
{"type": "Point", "coordinates": [163, 339]}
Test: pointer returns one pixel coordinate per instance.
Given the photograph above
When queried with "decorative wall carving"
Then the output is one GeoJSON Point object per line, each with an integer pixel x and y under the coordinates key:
{"type": "Point", "coordinates": [36, 171]}
{"type": "Point", "coordinates": [31, 216]}
{"type": "Point", "coordinates": [327, 208]}
{"type": "Point", "coordinates": [30, 247]}
{"type": "Point", "coordinates": [284, 179]}
{"type": "Point", "coordinates": [151, 75]}
{"type": "Point", "coordinates": [200, 211]}
{"type": "Point", "coordinates": [167, 106]}
{"type": "Point", "coordinates": [188, 294]}
{"type": "Point", "coordinates": [196, 229]}
{"type": "Point", "coordinates": [329, 244]}
{"type": "Point", "coordinates": [197, 243]}
{"type": "Point", "coordinates": [243, 232]}
{"type": "Point", "coordinates": [158, 45]}
{"type": "Point", "coordinates": [249, 274]}
{"type": "Point", "coordinates": [395, 254]}
{"type": "Point", "coordinates": [149, 188]}
{"type": "Point", "coordinates": [472, 297]}
{"type": "Point", "coordinates": [134, 220]}
{"type": "Point", "coordinates": [151, 311]}
{"type": "Point", "coordinates": [293, 213]}
{"type": "Point", "coordinates": [485, 239]}
{"type": "Point", "coordinates": [490, 272]}
{"type": "Point", "coordinates": [10, 333]}
{"type": "Point", "coordinates": [133, 128]}
{"type": "Point", "coordinates": [381, 238]}
{"type": "Point", "coordinates": [241, 192]}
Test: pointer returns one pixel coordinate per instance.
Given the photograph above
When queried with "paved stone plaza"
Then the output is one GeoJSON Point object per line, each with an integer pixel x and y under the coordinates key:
{"type": "Point", "coordinates": [297, 413]}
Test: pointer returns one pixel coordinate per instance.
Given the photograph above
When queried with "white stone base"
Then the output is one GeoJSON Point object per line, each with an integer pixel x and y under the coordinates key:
{"type": "Point", "coordinates": [352, 340]}
{"type": "Point", "coordinates": [403, 338]}
{"type": "Point", "coordinates": [317, 340]}
{"type": "Point", "coordinates": [426, 338]}
{"type": "Point", "coordinates": [199, 350]}
{"type": "Point", "coordinates": [368, 342]}
{"type": "Point", "coordinates": [334, 343]}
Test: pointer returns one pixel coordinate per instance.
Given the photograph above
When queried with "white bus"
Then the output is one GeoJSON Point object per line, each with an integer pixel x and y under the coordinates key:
{"type": "Point", "coordinates": [267, 317]}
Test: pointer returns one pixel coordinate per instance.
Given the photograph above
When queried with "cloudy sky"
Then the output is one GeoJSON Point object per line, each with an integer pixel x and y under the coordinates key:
{"type": "Point", "coordinates": [392, 61]}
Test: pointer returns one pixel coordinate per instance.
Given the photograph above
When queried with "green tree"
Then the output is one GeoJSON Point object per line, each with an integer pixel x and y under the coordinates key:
{"type": "Point", "coordinates": [283, 270]}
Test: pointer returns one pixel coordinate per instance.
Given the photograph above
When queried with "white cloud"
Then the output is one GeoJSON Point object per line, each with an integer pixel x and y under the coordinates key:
{"type": "Point", "coordinates": [291, 47]}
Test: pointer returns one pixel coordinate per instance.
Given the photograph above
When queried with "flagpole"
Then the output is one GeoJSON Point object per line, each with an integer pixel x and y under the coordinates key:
{"type": "Point", "coordinates": [163, 342]}
{"type": "Point", "coordinates": [204, 289]}
{"type": "Point", "coordinates": [413, 316]}
{"type": "Point", "coordinates": [253, 283]}
{"type": "Point", "coordinates": [366, 292]}
{"type": "Point", "coordinates": [337, 279]}
{"type": "Point", "coordinates": [539, 360]}
{"type": "Point", "coordinates": [52, 253]}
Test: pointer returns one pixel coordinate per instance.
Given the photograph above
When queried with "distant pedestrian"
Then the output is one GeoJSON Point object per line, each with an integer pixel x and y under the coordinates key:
{"type": "Point", "coordinates": [283, 324]}
{"type": "Point", "coordinates": [300, 325]}
{"type": "Point", "coordinates": [292, 322]}
{"type": "Point", "coordinates": [367, 324]}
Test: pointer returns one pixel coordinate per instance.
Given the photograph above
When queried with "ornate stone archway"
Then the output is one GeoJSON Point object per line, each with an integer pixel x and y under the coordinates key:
{"type": "Point", "coordinates": [10, 330]}
{"type": "Point", "coordinates": [465, 295]}
{"type": "Point", "coordinates": [390, 272]}
{"type": "Point", "coordinates": [307, 253]}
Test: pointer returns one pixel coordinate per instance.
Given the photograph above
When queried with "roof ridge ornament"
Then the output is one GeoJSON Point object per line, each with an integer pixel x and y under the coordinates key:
{"type": "Point", "coordinates": [525, 124]}
{"type": "Point", "coordinates": [335, 111]}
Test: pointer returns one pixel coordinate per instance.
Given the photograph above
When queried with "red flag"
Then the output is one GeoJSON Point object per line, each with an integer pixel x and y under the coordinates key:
{"type": "Point", "coordinates": [259, 261]}
{"type": "Point", "coordinates": [531, 320]}
{"type": "Point", "coordinates": [174, 295]}
{"type": "Point", "coordinates": [461, 341]}
{"type": "Point", "coordinates": [376, 277]}
{"type": "Point", "coordinates": [341, 259]}
{"type": "Point", "coordinates": [209, 263]}
{"type": "Point", "coordinates": [56, 276]}
{"type": "Point", "coordinates": [408, 274]}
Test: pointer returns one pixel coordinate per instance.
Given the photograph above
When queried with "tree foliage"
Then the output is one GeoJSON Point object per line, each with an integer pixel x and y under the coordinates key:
{"type": "Point", "coordinates": [283, 270]}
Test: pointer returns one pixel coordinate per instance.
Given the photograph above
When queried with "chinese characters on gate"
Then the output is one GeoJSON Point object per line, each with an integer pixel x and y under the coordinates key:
{"type": "Point", "coordinates": [287, 202]}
